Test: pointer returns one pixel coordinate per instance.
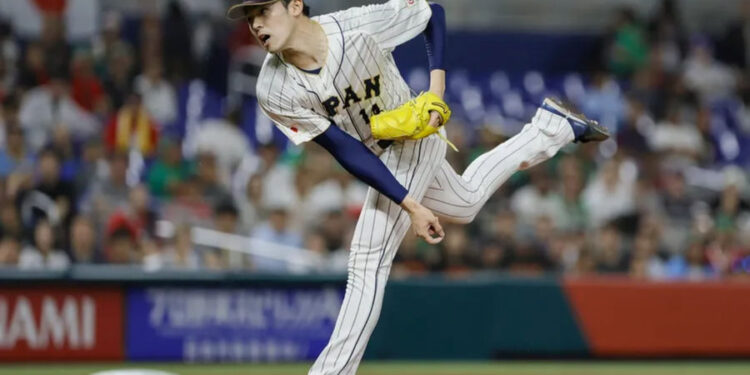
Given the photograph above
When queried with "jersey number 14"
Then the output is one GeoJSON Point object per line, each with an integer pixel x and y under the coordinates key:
{"type": "Point", "coordinates": [375, 110]}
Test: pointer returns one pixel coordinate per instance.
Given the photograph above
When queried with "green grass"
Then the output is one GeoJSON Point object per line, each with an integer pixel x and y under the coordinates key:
{"type": "Point", "coordinates": [414, 368]}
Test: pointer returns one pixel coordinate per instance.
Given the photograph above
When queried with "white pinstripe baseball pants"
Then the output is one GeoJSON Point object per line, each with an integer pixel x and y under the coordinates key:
{"type": "Point", "coordinates": [421, 167]}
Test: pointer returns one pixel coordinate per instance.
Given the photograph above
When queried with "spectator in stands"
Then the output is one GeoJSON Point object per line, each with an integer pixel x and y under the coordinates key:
{"type": "Point", "coordinates": [646, 95]}
{"type": "Point", "coordinates": [188, 205]}
{"type": "Point", "coordinates": [312, 196]}
{"type": "Point", "coordinates": [83, 242]}
{"type": "Point", "coordinates": [50, 197]}
{"type": "Point", "coordinates": [151, 43]}
{"type": "Point", "coordinates": [741, 261]}
{"type": "Point", "coordinates": [408, 260]}
{"type": "Point", "coordinates": [33, 71]}
{"type": "Point", "coordinates": [323, 191]}
{"type": "Point", "coordinates": [226, 221]}
{"type": "Point", "coordinates": [722, 251]}
{"type": "Point", "coordinates": [493, 256]}
{"type": "Point", "coordinates": [227, 218]}
{"type": "Point", "coordinates": [132, 128]}
{"type": "Point", "coordinates": [639, 268]}
{"type": "Point", "coordinates": [41, 253]}
{"type": "Point", "coordinates": [573, 215]}
{"type": "Point", "coordinates": [62, 142]}
{"type": "Point", "coordinates": [87, 89]}
{"type": "Point", "coordinates": [8, 116]}
{"type": "Point", "coordinates": [180, 253]}
{"type": "Point", "coordinates": [610, 194]}
{"type": "Point", "coordinates": [9, 54]}
{"type": "Point", "coordinates": [122, 248]}
{"type": "Point", "coordinates": [159, 97]}
{"type": "Point", "coordinates": [353, 191]}
{"type": "Point", "coordinates": [7, 80]}
{"type": "Point", "coordinates": [506, 228]}
{"type": "Point", "coordinates": [674, 135]}
{"type": "Point", "coordinates": [604, 101]}
{"type": "Point", "coordinates": [733, 46]}
{"type": "Point", "coordinates": [93, 166]}
{"type": "Point", "coordinates": [250, 203]}
{"type": "Point", "coordinates": [646, 261]}
{"type": "Point", "coordinates": [536, 199]}
{"type": "Point", "coordinates": [632, 138]}
{"type": "Point", "coordinates": [226, 140]}
{"type": "Point", "coordinates": [731, 205]}
{"type": "Point", "coordinates": [10, 221]}
{"type": "Point", "coordinates": [46, 107]}
{"type": "Point", "coordinates": [529, 258]}
{"type": "Point", "coordinates": [338, 260]}
{"type": "Point", "coordinates": [208, 177]}
{"type": "Point", "coordinates": [15, 156]}
{"type": "Point", "coordinates": [276, 229]}
{"type": "Point", "coordinates": [122, 241]}
{"type": "Point", "coordinates": [456, 260]}
{"type": "Point", "coordinates": [316, 242]}
{"type": "Point", "coordinates": [142, 210]}
{"type": "Point", "coordinates": [676, 204]}
{"type": "Point", "coordinates": [706, 76]}
{"type": "Point", "coordinates": [279, 178]}
{"type": "Point", "coordinates": [117, 81]}
{"type": "Point", "coordinates": [10, 250]}
{"type": "Point", "coordinates": [649, 197]}
{"type": "Point", "coordinates": [111, 193]}
{"type": "Point", "coordinates": [586, 263]}
{"type": "Point", "coordinates": [178, 44]}
{"type": "Point", "coordinates": [168, 171]}
{"type": "Point", "coordinates": [544, 232]}
{"type": "Point", "coordinates": [628, 49]}
{"type": "Point", "coordinates": [666, 36]}
{"type": "Point", "coordinates": [611, 255]}
{"type": "Point", "coordinates": [333, 226]}
{"type": "Point", "coordinates": [692, 265]}
{"type": "Point", "coordinates": [57, 50]}
{"type": "Point", "coordinates": [565, 250]}
{"type": "Point", "coordinates": [109, 42]}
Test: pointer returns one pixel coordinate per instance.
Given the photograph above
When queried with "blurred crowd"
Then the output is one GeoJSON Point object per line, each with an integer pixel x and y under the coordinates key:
{"type": "Point", "coordinates": [91, 171]}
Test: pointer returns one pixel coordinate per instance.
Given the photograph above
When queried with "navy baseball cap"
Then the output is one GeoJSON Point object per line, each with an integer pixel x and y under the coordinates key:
{"type": "Point", "coordinates": [237, 11]}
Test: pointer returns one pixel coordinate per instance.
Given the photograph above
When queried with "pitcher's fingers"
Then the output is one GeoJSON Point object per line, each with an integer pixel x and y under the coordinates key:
{"type": "Point", "coordinates": [434, 119]}
{"type": "Point", "coordinates": [435, 225]}
{"type": "Point", "coordinates": [424, 233]}
{"type": "Point", "coordinates": [433, 240]}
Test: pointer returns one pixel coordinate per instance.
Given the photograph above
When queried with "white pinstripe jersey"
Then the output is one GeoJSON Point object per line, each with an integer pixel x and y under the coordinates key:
{"type": "Point", "coordinates": [359, 77]}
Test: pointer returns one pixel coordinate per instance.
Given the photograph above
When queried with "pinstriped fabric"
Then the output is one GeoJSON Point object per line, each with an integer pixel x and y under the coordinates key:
{"type": "Point", "coordinates": [460, 197]}
{"type": "Point", "coordinates": [358, 79]}
{"type": "Point", "coordinates": [378, 235]}
{"type": "Point", "coordinates": [303, 105]}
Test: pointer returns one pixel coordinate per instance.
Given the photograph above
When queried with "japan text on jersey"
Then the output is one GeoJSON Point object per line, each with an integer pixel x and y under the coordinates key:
{"type": "Point", "coordinates": [358, 79]}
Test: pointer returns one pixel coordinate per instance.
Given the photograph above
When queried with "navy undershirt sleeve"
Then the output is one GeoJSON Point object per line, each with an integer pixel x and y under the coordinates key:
{"type": "Point", "coordinates": [358, 160]}
{"type": "Point", "coordinates": [434, 36]}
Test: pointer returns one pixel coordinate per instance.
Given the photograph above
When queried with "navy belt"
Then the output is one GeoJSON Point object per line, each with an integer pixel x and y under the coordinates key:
{"type": "Point", "coordinates": [384, 144]}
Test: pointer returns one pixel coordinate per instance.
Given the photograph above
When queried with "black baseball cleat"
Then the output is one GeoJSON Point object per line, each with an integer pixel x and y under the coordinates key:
{"type": "Point", "coordinates": [585, 130]}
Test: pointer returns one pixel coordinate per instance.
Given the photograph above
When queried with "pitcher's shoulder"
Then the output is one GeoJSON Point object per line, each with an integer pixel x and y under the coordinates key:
{"type": "Point", "coordinates": [273, 69]}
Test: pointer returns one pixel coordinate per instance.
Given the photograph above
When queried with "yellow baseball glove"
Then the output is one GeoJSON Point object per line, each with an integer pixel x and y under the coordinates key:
{"type": "Point", "coordinates": [411, 120]}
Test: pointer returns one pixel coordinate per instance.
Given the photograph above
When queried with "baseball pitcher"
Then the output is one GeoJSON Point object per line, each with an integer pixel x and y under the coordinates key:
{"type": "Point", "coordinates": [331, 79]}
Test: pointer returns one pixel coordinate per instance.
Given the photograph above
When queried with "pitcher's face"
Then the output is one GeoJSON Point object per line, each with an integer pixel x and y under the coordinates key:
{"type": "Point", "coordinates": [272, 24]}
